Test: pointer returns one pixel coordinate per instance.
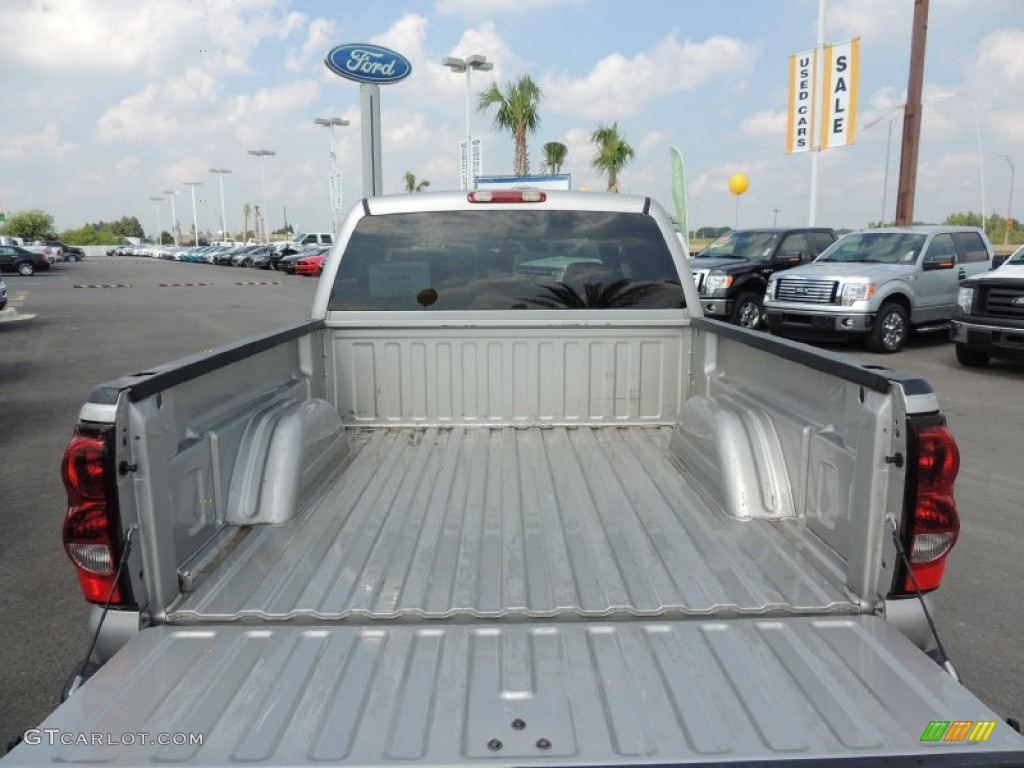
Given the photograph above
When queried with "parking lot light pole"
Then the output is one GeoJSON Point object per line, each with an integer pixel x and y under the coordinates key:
{"type": "Point", "coordinates": [159, 224]}
{"type": "Point", "coordinates": [330, 122]}
{"type": "Point", "coordinates": [467, 65]}
{"type": "Point", "coordinates": [195, 217]}
{"type": "Point", "coordinates": [262, 153]}
{"type": "Point", "coordinates": [1009, 202]}
{"type": "Point", "coordinates": [223, 218]}
{"type": "Point", "coordinates": [174, 216]}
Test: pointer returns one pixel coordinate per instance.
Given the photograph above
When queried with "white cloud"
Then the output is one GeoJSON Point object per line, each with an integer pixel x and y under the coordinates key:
{"type": "Point", "coordinates": [321, 35]}
{"type": "Point", "coordinates": [182, 108]}
{"type": "Point", "coordinates": [998, 63]}
{"type": "Point", "coordinates": [652, 140]}
{"type": "Point", "coordinates": [36, 145]}
{"type": "Point", "coordinates": [619, 87]}
{"type": "Point", "coordinates": [766, 124]}
{"type": "Point", "coordinates": [874, 20]}
{"type": "Point", "coordinates": [413, 133]}
{"type": "Point", "coordinates": [483, 8]}
{"type": "Point", "coordinates": [123, 36]}
{"type": "Point", "coordinates": [407, 36]}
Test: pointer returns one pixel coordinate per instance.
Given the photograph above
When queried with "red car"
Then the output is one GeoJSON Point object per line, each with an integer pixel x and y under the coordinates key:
{"type": "Point", "coordinates": [311, 265]}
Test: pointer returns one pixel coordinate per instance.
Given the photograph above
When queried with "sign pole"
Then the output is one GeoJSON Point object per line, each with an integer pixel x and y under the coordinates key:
{"type": "Point", "coordinates": [815, 128]}
{"type": "Point", "coordinates": [370, 66]}
{"type": "Point", "coordinates": [369, 102]}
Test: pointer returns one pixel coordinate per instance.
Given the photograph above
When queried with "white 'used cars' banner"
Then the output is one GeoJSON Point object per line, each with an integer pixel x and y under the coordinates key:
{"type": "Point", "coordinates": [841, 65]}
{"type": "Point", "coordinates": [800, 125]}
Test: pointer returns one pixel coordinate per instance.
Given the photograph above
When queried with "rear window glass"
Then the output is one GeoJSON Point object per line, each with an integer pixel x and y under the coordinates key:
{"type": "Point", "coordinates": [501, 259]}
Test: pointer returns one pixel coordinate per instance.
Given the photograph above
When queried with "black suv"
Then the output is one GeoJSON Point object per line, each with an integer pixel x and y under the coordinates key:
{"type": "Point", "coordinates": [732, 272]}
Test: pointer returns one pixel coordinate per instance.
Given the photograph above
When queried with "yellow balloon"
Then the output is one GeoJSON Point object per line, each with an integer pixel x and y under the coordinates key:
{"type": "Point", "coordinates": [738, 183]}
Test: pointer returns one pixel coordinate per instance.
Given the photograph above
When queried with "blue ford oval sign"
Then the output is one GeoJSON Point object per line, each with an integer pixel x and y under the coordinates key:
{"type": "Point", "coordinates": [367, 63]}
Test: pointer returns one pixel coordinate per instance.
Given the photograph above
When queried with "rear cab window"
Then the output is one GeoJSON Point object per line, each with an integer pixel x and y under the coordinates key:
{"type": "Point", "coordinates": [506, 259]}
{"type": "Point", "coordinates": [972, 247]}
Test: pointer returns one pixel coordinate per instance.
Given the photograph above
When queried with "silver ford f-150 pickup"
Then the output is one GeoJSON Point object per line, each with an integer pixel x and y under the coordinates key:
{"type": "Point", "coordinates": [472, 513]}
{"type": "Point", "coordinates": [879, 284]}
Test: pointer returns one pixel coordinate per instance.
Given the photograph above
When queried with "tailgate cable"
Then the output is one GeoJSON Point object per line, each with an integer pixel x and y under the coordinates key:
{"type": "Point", "coordinates": [81, 677]}
{"type": "Point", "coordinates": [943, 659]}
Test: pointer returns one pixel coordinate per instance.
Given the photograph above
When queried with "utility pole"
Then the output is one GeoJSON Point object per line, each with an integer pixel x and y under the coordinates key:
{"type": "Point", "coordinates": [912, 118]}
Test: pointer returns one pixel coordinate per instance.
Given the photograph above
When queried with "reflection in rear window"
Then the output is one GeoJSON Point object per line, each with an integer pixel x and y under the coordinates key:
{"type": "Point", "coordinates": [531, 259]}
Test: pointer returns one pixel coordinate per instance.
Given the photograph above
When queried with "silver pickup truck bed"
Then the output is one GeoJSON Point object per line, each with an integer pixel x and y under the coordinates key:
{"type": "Point", "coordinates": [534, 522]}
{"type": "Point", "coordinates": [538, 538]}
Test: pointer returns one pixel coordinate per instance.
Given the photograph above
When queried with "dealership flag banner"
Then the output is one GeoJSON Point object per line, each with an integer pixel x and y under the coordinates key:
{"type": "Point", "coordinates": [800, 125]}
{"type": "Point", "coordinates": [841, 65]}
{"type": "Point", "coordinates": [679, 190]}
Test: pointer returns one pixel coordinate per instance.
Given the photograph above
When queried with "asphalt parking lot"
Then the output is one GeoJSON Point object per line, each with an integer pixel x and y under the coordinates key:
{"type": "Point", "coordinates": [151, 311]}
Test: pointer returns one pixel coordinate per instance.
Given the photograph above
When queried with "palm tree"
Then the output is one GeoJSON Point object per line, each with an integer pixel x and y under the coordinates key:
{"type": "Point", "coordinates": [613, 153]}
{"type": "Point", "coordinates": [517, 113]}
{"type": "Point", "coordinates": [411, 185]}
{"type": "Point", "coordinates": [246, 211]}
{"type": "Point", "coordinates": [555, 153]}
{"type": "Point", "coordinates": [620, 293]}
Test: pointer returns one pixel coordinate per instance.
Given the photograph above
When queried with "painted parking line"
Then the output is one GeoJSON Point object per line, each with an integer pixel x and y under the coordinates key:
{"type": "Point", "coordinates": [17, 299]}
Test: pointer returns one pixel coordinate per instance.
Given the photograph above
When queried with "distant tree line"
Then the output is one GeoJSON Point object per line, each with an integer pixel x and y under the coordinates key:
{"type": "Point", "coordinates": [35, 224]}
{"type": "Point", "coordinates": [996, 226]}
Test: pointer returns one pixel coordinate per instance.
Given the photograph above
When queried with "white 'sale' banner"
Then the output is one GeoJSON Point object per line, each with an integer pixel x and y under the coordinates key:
{"type": "Point", "coordinates": [839, 103]}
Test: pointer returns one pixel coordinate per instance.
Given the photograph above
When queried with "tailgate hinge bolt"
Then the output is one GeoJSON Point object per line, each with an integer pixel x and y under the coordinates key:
{"type": "Point", "coordinates": [897, 459]}
{"type": "Point", "coordinates": [494, 745]}
{"type": "Point", "coordinates": [543, 744]}
{"type": "Point", "coordinates": [124, 468]}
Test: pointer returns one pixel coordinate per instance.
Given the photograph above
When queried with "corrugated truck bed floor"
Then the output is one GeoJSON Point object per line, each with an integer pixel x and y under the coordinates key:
{"type": "Point", "coordinates": [536, 522]}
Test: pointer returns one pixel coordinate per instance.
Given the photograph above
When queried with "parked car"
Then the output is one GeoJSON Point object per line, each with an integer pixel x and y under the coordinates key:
{"type": "Point", "coordinates": [310, 265]}
{"type": "Point", "coordinates": [423, 529]}
{"type": "Point", "coordinates": [733, 271]}
{"type": "Point", "coordinates": [287, 263]}
{"type": "Point", "coordinates": [52, 253]}
{"type": "Point", "coordinates": [23, 260]}
{"type": "Point", "coordinates": [261, 259]}
{"type": "Point", "coordinates": [227, 258]}
{"type": "Point", "coordinates": [306, 239]}
{"type": "Point", "coordinates": [3, 295]}
{"type": "Point", "coordinates": [879, 284]}
{"type": "Point", "coordinates": [302, 242]}
{"type": "Point", "coordinates": [244, 258]}
{"type": "Point", "coordinates": [67, 252]}
{"type": "Point", "coordinates": [988, 320]}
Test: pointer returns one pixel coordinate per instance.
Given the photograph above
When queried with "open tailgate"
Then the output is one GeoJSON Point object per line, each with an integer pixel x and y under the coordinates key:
{"type": "Point", "coordinates": [850, 690]}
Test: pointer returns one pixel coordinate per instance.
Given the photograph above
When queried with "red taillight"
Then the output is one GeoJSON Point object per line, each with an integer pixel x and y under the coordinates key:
{"type": "Point", "coordinates": [934, 523]}
{"type": "Point", "coordinates": [507, 196]}
{"type": "Point", "coordinates": [88, 526]}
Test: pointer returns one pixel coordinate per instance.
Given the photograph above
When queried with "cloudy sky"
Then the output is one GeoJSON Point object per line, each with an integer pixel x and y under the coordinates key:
{"type": "Point", "coordinates": [111, 102]}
